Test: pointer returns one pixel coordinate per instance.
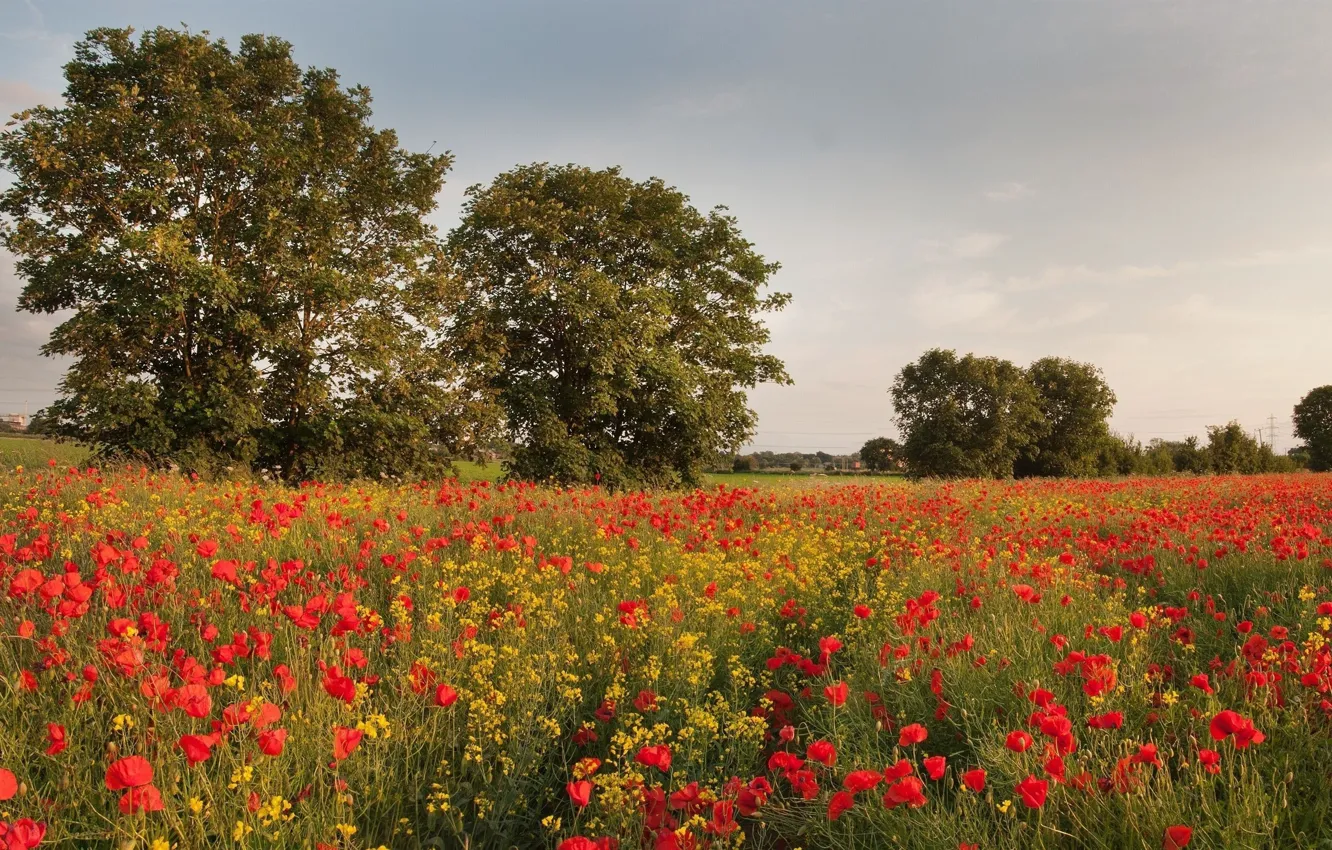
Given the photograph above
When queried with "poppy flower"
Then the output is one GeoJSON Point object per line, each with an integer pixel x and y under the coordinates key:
{"type": "Point", "coordinates": [823, 752]}
{"type": "Point", "coordinates": [55, 738]}
{"type": "Point", "coordinates": [840, 802]}
{"type": "Point", "coordinates": [345, 741]}
{"type": "Point", "coordinates": [22, 834]}
{"type": "Point", "coordinates": [1176, 837]}
{"type": "Point", "coordinates": [1230, 723]}
{"type": "Point", "coordinates": [909, 792]}
{"type": "Point", "coordinates": [1201, 683]}
{"type": "Point", "coordinates": [145, 798]}
{"type": "Point", "coordinates": [861, 780]}
{"type": "Point", "coordinates": [8, 784]}
{"type": "Point", "coordinates": [894, 772]}
{"type": "Point", "coordinates": [658, 757]}
{"type": "Point", "coordinates": [1210, 760]}
{"type": "Point", "coordinates": [197, 748]}
{"type": "Point", "coordinates": [935, 766]}
{"type": "Point", "coordinates": [1033, 791]}
{"type": "Point", "coordinates": [1018, 741]}
{"type": "Point", "coordinates": [836, 694]}
{"type": "Point", "coordinates": [271, 741]}
{"type": "Point", "coordinates": [912, 734]}
{"type": "Point", "coordinates": [129, 772]}
{"type": "Point", "coordinates": [580, 792]}
{"type": "Point", "coordinates": [445, 696]}
{"type": "Point", "coordinates": [974, 779]}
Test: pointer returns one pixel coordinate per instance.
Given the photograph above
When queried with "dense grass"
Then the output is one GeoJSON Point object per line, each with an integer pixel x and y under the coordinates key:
{"type": "Point", "coordinates": [582, 632]}
{"type": "Point", "coordinates": [32, 451]}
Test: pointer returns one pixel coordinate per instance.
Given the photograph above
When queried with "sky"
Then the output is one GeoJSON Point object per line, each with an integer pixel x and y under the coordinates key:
{"type": "Point", "coordinates": [1142, 184]}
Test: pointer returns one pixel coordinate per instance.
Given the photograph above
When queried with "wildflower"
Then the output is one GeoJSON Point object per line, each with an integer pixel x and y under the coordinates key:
{"type": "Point", "coordinates": [345, 741]}
{"type": "Point", "coordinates": [840, 802]}
{"type": "Point", "coordinates": [861, 780]}
{"type": "Point", "coordinates": [1018, 741]}
{"type": "Point", "coordinates": [580, 792]}
{"type": "Point", "coordinates": [55, 737]}
{"type": "Point", "coordinates": [1176, 837]}
{"type": "Point", "coordinates": [1229, 723]}
{"type": "Point", "coordinates": [822, 752]}
{"type": "Point", "coordinates": [911, 735]}
{"type": "Point", "coordinates": [8, 784]}
{"type": "Point", "coordinates": [1032, 791]}
{"type": "Point", "coordinates": [974, 779]}
{"type": "Point", "coordinates": [658, 757]}
{"type": "Point", "coordinates": [445, 696]}
{"type": "Point", "coordinates": [836, 694]}
{"type": "Point", "coordinates": [935, 766]}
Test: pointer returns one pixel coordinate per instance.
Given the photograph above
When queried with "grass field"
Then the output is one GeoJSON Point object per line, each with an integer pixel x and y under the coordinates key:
{"type": "Point", "coordinates": [1138, 664]}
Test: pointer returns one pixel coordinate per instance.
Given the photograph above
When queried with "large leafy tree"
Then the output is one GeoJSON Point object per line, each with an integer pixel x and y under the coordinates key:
{"type": "Point", "coordinates": [245, 261]}
{"type": "Point", "coordinates": [1231, 449]}
{"type": "Point", "coordinates": [965, 416]}
{"type": "Point", "coordinates": [1076, 403]}
{"type": "Point", "coordinates": [618, 325]}
{"type": "Point", "coordinates": [1313, 425]}
{"type": "Point", "coordinates": [880, 454]}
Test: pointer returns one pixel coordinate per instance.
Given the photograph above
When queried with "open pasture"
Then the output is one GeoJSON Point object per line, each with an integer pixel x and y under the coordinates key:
{"type": "Point", "coordinates": [1142, 663]}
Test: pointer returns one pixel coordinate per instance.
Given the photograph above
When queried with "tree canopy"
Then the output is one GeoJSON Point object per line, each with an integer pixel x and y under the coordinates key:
{"type": "Point", "coordinates": [1075, 404]}
{"type": "Point", "coordinates": [1313, 425]}
{"type": "Point", "coordinates": [880, 454]}
{"type": "Point", "coordinates": [249, 271]}
{"type": "Point", "coordinates": [618, 326]}
{"type": "Point", "coordinates": [965, 416]}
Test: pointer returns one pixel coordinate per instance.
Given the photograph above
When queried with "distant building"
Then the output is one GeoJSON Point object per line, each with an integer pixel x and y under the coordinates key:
{"type": "Point", "coordinates": [17, 421]}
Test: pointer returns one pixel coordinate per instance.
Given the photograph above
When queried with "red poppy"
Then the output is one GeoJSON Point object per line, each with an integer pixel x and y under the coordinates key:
{"type": "Point", "coordinates": [912, 734]}
{"type": "Point", "coordinates": [445, 696]}
{"type": "Point", "coordinates": [8, 784]}
{"type": "Point", "coordinates": [837, 693]}
{"type": "Point", "coordinates": [823, 752]}
{"type": "Point", "coordinates": [1228, 723]}
{"type": "Point", "coordinates": [935, 766]}
{"type": "Point", "coordinates": [144, 798]}
{"type": "Point", "coordinates": [658, 757]}
{"type": "Point", "coordinates": [1210, 760]}
{"type": "Point", "coordinates": [22, 834]}
{"type": "Point", "coordinates": [896, 771]}
{"type": "Point", "coordinates": [345, 741]}
{"type": "Point", "coordinates": [129, 772]}
{"type": "Point", "coordinates": [1018, 741]}
{"type": "Point", "coordinates": [974, 779]}
{"type": "Point", "coordinates": [55, 737]}
{"type": "Point", "coordinates": [271, 741]}
{"type": "Point", "coordinates": [909, 792]}
{"type": "Point", "coordinates": [1176, 837]}
{"type": "Point", "coordinates": [861, 780]}
{"type": "Point", "coordinates": [840, 802]}
{"type": "Point", "coordinates": [580, 792]}
{"type": "Point", "coordinates": [1033, 791]}
{"type": "Point", "coordinates": [197, 748]}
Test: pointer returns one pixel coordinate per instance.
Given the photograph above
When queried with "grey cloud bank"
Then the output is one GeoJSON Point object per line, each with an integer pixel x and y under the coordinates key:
{"type": "Point", "coordinates": [1138, 184]}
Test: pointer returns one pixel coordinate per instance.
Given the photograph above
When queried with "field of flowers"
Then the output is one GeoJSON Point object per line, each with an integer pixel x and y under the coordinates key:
{"type": "Point", "coordinates": [971, 665]}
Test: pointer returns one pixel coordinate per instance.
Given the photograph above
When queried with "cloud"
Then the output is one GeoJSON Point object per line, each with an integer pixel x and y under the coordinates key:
{"type": "Point", "coordinates": [942, 303]}
{"type": "Point", "coordinates": [968, 246]}
{"type": "Point", "coordinates": [1010, 191]}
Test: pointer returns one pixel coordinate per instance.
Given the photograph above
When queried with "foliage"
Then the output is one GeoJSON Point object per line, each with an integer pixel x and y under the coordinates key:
{"type": "Point", "coordinates": [247, 260]}
{"type": "Point", "coordinates": [1075, 403]}
{"type": "Point", "coordinates": [965, 416]}
{"type": "Point", "coordinates": [745, 463]}
{"type": "Point", "coordinates": [1313, 424]}
{"type": "Point", "coordinates": [199, 664]}
{"type": "Point", "coordinates": [881, 454]}
{"type": "Point", "coordinates": [1231, 449]}
{"type": "Point", "coordinates": [618, 326]}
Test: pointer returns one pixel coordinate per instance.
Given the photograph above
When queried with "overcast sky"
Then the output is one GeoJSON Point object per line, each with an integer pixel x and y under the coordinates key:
{"type": "Point", "coordinates": [1143, 185]}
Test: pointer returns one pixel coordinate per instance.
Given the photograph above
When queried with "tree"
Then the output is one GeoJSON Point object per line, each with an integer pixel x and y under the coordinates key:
{"type": "Point", "coordinates": [1118, 455]}
{"type": "Point", "coordinates": [1313, 425]}
{"type": "Point", "coordinates": [1231, 449]}
{"type": "Point", "coordinates": [40, 423]}
{"type": "Point", "coordinates": [796, 466]}
{"type": "Point", "coordinates": [880, 454]}
{"type": "Point", "coordinates": [964, 416]}
{"type": "Point", "coordinates": [745, 463]}
{"type": "Point", "coordinates": [247, 260]}
{"type": "Point", "coordinates": [1075, 402]}
{"type": "Point", "coordinates": [618, 326]}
